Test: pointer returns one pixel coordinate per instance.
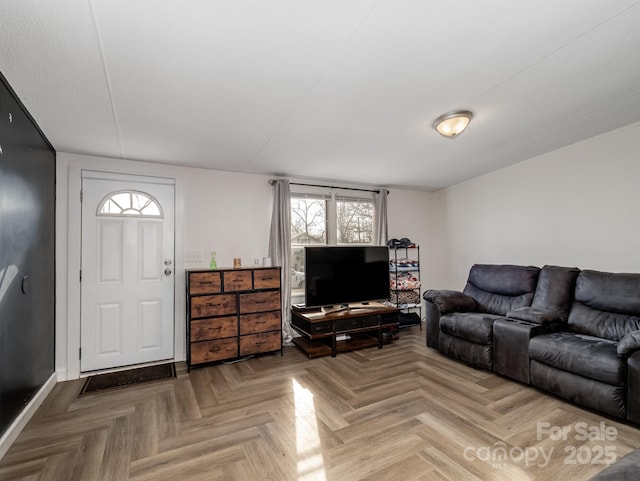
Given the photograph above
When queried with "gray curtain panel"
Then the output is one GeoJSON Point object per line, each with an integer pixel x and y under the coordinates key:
{"type": "Point", "coordinates": [280, 248]}
{"type": "Point", "coordinates": [381, 234]}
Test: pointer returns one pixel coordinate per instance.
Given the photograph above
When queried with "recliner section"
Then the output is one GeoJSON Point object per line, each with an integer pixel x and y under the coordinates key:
{"type": "Point", "coordinates": [466, 321]}
{"type": "Point", "coordinates": [573, 333]}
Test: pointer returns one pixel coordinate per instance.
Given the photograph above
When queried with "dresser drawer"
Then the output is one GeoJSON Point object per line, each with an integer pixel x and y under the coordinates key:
{"type": "Point", "coordinates": [237, 281]}
{"type": "Point", "coordinates": [218, 305]}
{"type": "Point", "coordinates": [266, 278]}
{"type": "Point", "coordinates": [205, 282]}
{"type": "Point", "coordinates": [214, 328]}
{"type": "Point", "coordinates": [216, 350]}
{"type": "Point", "coordinates": [259, 301]}
{"type": "Point", "coordinates": [260, 322]}
{"type": "Point", "coordinates": [256, 343]}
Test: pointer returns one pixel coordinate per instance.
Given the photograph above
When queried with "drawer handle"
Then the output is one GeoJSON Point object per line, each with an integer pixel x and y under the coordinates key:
{"type": "Point", "coordinates": [214, 349]}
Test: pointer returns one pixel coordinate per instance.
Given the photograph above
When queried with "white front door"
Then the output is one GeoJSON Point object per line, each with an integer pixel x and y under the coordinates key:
{"type": "Point", "coordinates": [127, 276]}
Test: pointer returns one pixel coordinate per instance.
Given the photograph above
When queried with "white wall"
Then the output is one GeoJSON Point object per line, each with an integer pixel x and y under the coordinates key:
{"type": "Point", "coordinates": [411, 215]}
{"type": "Point", "coordinates": [229, 213]}
{"type": "Point", "coordinates": [576, 206]}
{"type": "Point", "coordinates": [222, 211]}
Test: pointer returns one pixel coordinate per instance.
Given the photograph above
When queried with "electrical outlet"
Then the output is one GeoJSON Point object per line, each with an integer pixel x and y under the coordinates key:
{"type": "Point", "coordinates": [193, 256]}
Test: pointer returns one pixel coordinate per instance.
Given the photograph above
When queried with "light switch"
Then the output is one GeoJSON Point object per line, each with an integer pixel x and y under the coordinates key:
{"type": "Point", "coordinates": [193, 256]}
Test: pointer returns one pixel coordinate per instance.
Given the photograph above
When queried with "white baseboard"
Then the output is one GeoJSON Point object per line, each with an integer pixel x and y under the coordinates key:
{"type": "Point", "coordinates": [27, 413]}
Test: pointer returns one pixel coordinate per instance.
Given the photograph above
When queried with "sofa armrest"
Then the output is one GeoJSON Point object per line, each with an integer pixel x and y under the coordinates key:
{"type": "Point", "coordinates": [450, 301]}
{"type": "Point", "coordinates": [629, 343]}
{"type": "Point", "coordinates": [535, 315]}
{"type": "Point", "coordinates": [432, 324]}
{"type": "Point", "coordinates": [633, 387]}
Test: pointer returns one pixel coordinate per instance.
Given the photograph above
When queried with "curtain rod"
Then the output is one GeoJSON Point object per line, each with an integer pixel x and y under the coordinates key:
{"type": "Point", "coordinates": [377, 191]}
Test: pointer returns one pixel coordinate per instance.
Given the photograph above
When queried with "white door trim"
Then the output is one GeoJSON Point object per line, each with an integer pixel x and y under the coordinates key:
{"type": "Point", "coordinates": [68, 322]}
{"type": "Point", "coordinates": [94, 174]}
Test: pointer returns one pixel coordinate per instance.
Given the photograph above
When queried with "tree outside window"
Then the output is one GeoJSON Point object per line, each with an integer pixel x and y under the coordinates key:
{"type": "Point", "coordinates": [308, 221]}
{"type": "Point", "coordinates": [308, 227]}
{"type": "Point", "coordinates": [354, 221]}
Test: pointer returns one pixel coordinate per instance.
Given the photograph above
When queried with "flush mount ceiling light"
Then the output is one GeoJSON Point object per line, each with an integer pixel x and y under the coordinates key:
{"type": "Point", "coordinates": [452, 123]}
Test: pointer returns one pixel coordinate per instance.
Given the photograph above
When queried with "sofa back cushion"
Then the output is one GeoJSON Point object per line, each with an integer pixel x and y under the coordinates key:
{"type": "Point", "coordinates": [555, 289]}
{"type": "Point", "coordinates": [606, 305]}
{"type": "Point", "coordinates": [499, 289]}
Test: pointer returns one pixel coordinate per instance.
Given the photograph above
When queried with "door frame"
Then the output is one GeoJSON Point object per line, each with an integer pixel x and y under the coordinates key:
{"type": "Point", "coordinates": [68, 340]}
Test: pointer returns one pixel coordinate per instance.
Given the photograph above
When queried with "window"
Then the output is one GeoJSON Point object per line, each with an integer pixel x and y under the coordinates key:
{"type": "Point", "coordinates": [308, 227]}
{"type": "Point", "coordinates": [354, 221]}
{"type": "Point", "coordinates": [129, 203]}
{"type": "Point", "coordinates": [308, 220]}
{"type": "Point", "coordinates": [326, 219]}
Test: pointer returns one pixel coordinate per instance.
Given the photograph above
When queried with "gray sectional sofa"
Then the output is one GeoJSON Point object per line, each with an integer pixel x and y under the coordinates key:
{"type": "Point", "coordinates": [574, 333]}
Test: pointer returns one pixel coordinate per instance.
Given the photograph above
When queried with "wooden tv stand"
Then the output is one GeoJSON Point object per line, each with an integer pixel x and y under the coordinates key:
{"type": "Point", "coordinates": [363, 324]}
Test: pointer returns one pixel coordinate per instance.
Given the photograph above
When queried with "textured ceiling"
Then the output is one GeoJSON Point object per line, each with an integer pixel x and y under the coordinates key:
{"type": "Point", "coordinates": [324, 89]}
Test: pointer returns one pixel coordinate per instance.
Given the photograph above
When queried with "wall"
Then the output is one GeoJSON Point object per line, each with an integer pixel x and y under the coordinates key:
{"type": "Point", "coordinates": [412, 214]}
{"type": "Point", "coordinates": [226, 212]}
{"type": "Point", "coordinates": [27, 200]}
{"type": "Point", "coordinates": [576, 206]}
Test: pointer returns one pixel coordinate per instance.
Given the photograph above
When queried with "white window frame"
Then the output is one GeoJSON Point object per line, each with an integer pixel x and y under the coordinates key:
{"type": "Point", "coordinates": [330, 195]}
{"type": "Point", "coordinates": [131, 211]}
{"type": "Point", "coordinates": [331, 226]}
{"type": "Point", "coordinates": [314, 196]}
{"type": "Point", "coordinates": [354, 198]}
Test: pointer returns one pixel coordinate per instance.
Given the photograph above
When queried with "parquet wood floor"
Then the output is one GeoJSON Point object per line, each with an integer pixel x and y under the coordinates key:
{"type": "Point", "coordinates": [404, 412]}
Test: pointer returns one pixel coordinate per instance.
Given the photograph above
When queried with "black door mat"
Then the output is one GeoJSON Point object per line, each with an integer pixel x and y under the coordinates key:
{"type": "Point", "coordinates": [122, 379]}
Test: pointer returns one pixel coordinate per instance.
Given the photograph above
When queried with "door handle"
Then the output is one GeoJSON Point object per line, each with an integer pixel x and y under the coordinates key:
{"type": "Point", "coordinates": [167, 271]}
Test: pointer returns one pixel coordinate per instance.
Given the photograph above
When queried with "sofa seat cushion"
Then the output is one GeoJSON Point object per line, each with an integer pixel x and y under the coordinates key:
{"type": "Point", "coordinates": [472, 326]}
{"type": "Point", "coordinates": [590, 357]}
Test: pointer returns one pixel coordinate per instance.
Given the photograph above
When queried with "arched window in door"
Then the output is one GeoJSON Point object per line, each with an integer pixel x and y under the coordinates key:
{"type": "Point", "coordinates": [128, 203]}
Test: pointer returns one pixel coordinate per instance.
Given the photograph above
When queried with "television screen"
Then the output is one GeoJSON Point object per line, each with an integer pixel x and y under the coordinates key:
{"type": "Point", "coordinates": [342, 275]}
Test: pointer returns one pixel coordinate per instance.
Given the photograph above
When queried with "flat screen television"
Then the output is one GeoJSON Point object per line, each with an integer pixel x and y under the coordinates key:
{"type": "Point", "coordinates": [336, 276]}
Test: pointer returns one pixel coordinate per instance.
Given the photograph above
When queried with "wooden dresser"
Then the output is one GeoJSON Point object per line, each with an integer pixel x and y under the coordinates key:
{"type": "Point", "coordinates": [232, 313]}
